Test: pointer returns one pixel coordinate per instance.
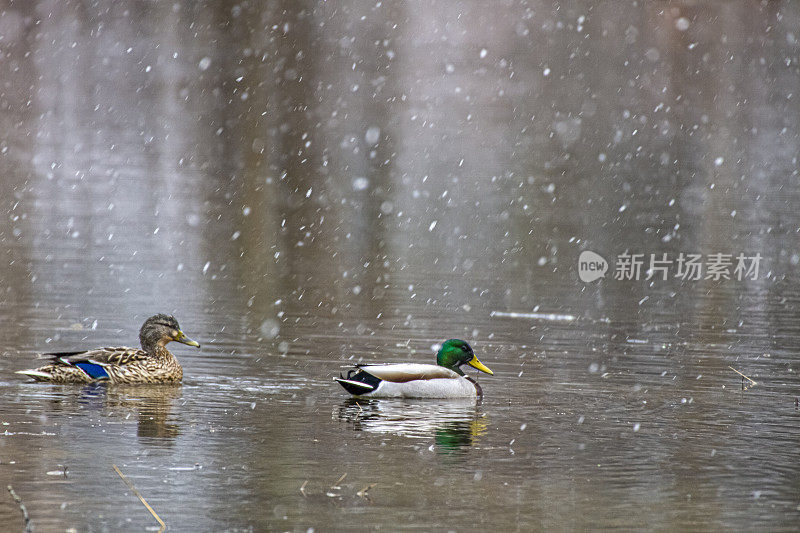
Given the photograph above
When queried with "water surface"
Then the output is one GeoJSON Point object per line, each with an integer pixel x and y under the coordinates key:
{"type": "Point", "coordinates": [307, 186]}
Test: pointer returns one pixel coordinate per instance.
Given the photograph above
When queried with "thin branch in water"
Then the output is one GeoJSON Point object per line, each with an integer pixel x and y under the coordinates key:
{"type": "Point", "coordinates": [363, 492]}
{"type": "Point", "coordinates": [336, 485]}
{"type": "Point", "coordinates": [25, 517]}
{"type": "Point", "coordinates": [141, 498]}
{"type": "Point", "coordinates": [752, 382]}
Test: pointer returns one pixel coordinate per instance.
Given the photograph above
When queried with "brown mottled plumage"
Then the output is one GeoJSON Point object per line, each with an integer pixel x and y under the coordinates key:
{"type": "Point", "coordinates": [153, 363]}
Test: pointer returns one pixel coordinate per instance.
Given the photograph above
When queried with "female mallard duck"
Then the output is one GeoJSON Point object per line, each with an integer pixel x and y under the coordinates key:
{"type": "Point", "coordinates": [152, 364]}
{"type": "Point", "coordinates": [445, 379]}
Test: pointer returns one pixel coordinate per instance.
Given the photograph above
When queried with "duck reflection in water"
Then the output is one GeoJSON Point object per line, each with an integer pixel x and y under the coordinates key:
{"type": "Point", "coordinates": [151, 404]}
{"type": "Point", "coordinates": [454, 425]}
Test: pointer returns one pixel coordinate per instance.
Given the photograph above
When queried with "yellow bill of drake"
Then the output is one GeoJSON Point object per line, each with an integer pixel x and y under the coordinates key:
{"type": "Point", "coordinates": [480, 366]}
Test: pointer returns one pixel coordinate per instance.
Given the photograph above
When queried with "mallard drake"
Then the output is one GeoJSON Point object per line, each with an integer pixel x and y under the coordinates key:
{"type": "Point", "coordinates": [152, 364]}
{"type": "Point", "coordinates": [445, 379]}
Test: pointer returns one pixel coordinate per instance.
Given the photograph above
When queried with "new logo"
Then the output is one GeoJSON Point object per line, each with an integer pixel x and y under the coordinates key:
{"type": "Point", "coordinates": [591, 266]}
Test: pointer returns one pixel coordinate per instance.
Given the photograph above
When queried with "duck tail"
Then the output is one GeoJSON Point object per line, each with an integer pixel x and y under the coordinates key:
{"type": "Point", "coordinates": [36, 374]}
{"type": "Point", "coordinates": [359, 383]}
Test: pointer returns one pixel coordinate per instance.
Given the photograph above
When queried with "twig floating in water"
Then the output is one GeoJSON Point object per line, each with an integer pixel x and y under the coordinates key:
{"type": "Point", "coordinates": [363, 492]}
{"type": "Point", "coordinates": [25, 517]}
{"type": "Point", "coordinates": [534, 316]}
{"type": "Point", "coordinates": [336, 485]}
{"type": "Point", "coordinates": [141, 498]}
{"type": "Point", "coordinates": [752, 382]}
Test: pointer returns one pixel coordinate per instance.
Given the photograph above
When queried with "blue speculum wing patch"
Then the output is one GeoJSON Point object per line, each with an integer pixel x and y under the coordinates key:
{"type": "Point", "coordinates": [94, 371]}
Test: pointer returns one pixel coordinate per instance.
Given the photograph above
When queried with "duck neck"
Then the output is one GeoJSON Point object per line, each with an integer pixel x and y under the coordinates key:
{"type": "Point", "coordinates": [160, 352]}
{"type": "Point", "coordinates": [449, 359]}
{"type": "Point", "coordinates": [456, 369]}
{"type": "Point", "coordinates": [153, 347]}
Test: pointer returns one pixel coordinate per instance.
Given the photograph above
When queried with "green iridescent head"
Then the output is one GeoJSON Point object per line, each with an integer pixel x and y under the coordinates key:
{"type": "Point", "coordinates": [455, 352]}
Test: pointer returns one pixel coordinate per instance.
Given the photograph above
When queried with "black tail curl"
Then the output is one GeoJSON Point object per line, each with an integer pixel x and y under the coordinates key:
{"type": "Point", "coordinates": [358, 382]}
